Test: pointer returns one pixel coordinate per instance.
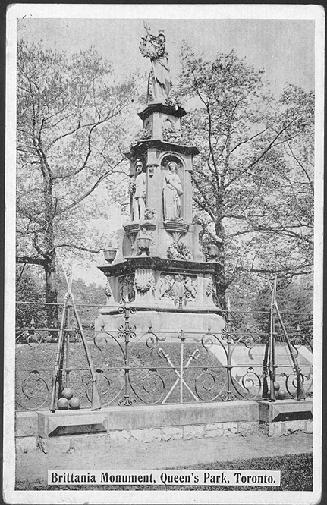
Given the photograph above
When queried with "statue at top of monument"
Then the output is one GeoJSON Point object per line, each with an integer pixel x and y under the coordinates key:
{"type": "Point", "coordinates": [159, 82]}
{"type": "Point", "coordinates": [172, 192]}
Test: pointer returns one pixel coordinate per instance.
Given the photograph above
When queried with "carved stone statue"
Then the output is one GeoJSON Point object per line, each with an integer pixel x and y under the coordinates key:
{"type": "Point", "coordinates": [139, 192]}
{"type": "Point", "coordinates": [172, 191]}
{"type": "Point", "coordinates": [159, 83]}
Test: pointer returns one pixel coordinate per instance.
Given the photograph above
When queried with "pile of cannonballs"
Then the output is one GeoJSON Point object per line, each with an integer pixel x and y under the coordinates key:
{"type": "Point", "coordinates": [279, 393]}
{"type": "Point", "coordinates": [67, 400]}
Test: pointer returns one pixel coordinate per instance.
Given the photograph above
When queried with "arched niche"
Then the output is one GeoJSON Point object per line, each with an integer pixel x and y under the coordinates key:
{"type": "Point", "coordinates": [173, 184]}
{"type": "Point", "coordinates": [166, 158]}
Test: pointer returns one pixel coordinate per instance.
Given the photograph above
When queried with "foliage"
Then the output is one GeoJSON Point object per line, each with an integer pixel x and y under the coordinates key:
{"type": "Point", "coordinates": [295, 306]}
{"type": "Point", "coordinates": [253, 177]}
{"type": "Point", "coordinates": [179, 250]}
{"type": "Point", "coordinates": [29, 289]}
{"type": "Point", "coordinates": [70, 114]}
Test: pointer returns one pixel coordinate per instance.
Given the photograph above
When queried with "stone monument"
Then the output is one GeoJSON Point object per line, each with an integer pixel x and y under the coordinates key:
{"type": "Point", "coordinates": [159, 267]}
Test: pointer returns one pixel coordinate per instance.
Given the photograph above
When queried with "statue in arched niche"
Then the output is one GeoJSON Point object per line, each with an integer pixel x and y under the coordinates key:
{"type": "Point", "coordinates": [172, 192]}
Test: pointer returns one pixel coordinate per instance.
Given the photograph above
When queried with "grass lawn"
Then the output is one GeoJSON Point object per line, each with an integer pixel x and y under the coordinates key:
{"type": "Point", "coordinates": [151, 375]}
{"type": "Point", "coordinates": [296, 475]}
{"type": "Point", "coordinates": [296, 471]}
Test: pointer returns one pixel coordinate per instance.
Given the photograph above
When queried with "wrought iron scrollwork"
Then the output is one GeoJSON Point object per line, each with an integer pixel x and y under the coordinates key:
{"type": "Point", "coordinates": [155, 368]}
{"type": "Point", "coordinates": [35, 391]}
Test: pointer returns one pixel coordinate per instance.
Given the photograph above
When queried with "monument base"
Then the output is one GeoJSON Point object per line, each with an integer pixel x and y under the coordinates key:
{"type": "Point", "coordinates": [165, 321]}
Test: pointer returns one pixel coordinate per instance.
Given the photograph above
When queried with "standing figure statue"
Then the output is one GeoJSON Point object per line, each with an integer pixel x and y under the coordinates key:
{"type": "Point", "coordinates": [172, 192]}
{"type": "Point", "coordinates": [139, 192]}
{"type": "Point", "coordinates": [159, 82]}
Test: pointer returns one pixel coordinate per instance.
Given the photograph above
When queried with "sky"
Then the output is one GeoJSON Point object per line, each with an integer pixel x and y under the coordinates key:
{"type": "Point", "coordinates": [283, 48]}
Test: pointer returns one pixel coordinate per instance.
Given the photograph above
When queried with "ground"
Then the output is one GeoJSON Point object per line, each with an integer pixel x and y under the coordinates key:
{"type": "Point", "coordinates": [32, 467]}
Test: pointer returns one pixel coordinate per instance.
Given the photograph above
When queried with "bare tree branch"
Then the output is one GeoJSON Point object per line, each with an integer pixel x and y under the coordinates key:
{"type": "Point", "coordinates": [32, 260]}
{"type": "Point", "coordinates": [79, 247]}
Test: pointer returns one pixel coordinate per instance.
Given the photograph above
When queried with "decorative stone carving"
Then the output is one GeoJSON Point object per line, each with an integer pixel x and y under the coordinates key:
{"type": "Point", "coordinates": [144, 281]}
{"type": "Point", "coordinates": [171, 134]}
{"type": "Point", "coordinates": [108, 291]}
{"type": "Point", "coordinates": [190, 288]}
{"type": "Point", "coordinates": [126, 288]}
{"type": "Point", "coordinates": [179, 251]}
{"type": "Point", "coordinates": [143, 242]}
{"type": "Point", "coordinates": [208, 288]}
{"type": "Point", "coordinates": [149, 214]}
{"type": "Point", "coordinates": [143, 134]}
{"type": "Point", "coordinates": [110, 254]}
{"type": "Point", "coordinates": [166, 284]}
{"type": "Point", "coordinates": [177, 287]}
{"type": "Point", "coordinates": [176, 229]}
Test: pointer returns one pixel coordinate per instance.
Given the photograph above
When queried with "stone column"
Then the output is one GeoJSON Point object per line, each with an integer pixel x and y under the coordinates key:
{"type": "Point", "coordinates": [188, 196]}
{"type": "Point", "coordinates": [154, 184]}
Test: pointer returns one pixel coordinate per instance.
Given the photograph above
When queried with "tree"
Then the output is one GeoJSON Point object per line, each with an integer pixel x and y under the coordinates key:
{"type": "Point", "coordinates": [70, 114]}
{"type": "Point", "coordinates": [28, 288]}
{"type": "Point", "coordinates": [295, 306]}
{"type": "Point", "coordinates": [245, 137]}
{"type": "Point", "coordinates": [284, 218]}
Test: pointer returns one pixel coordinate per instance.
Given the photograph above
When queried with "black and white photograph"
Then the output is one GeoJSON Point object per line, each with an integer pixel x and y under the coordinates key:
{"type": "Point", "coordinates": [163, 263]}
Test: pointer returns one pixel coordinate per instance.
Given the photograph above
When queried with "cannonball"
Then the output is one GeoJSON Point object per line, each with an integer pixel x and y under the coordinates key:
{"type": "Point", "coordinates": [74, 403]}
{"type": "Point", "coordinates": [63, 403]}
{"type": "Point", "coordinates": [67, 393]}
{"type": "Point", "coordinates": [276, 386]}
{"type": "Point", "coordinates": [281, 395]}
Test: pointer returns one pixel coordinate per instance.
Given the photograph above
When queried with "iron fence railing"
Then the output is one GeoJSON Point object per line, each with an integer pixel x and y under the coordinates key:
{"type": "Point", "coordinates": [154, 367]}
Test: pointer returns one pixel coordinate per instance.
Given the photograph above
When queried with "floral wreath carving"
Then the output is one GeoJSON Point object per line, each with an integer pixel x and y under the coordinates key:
{"type": "Point", "coordinates": [143, 134]}
{"type": "Point", "coordinates": [143, 285]}
{"type": "Point", "coordinates": [171, 134]}
{"type": "Point", "coordinates": [149, 214]}
{"type": "Point", "coordinates": [179, 250]}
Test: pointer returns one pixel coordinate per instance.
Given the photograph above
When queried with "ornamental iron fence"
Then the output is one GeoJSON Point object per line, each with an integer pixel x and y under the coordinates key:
{"type": "Point", "coordinates": [126, 366]}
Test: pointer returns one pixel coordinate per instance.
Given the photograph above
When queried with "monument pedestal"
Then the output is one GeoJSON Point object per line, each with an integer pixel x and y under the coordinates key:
{"type": "Point", "coordinates": [168, 295]}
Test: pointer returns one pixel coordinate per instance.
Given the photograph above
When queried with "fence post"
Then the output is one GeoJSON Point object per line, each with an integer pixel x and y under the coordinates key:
{"type": "Point", "coordinates": [182, 337]}
{"type": "Point", "coordinates": [272, 360]}
{"type": "Point", "coordinates": [126, 330]}
{"type": "Point", "coordinates": [62, 356]}
{"type": "Point", "coordinates": [68, 323]}
{"type": "Point", "coordinates": [299, 386]}
{"type": "Point", "coordinates": [265, 388]}
{"type": "Point", "coordinates": [229, 353]}
{"type": "Point", "coordinates": [272, 344]}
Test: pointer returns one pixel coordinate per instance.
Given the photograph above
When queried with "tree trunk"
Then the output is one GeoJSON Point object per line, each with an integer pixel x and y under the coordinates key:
{"type": "Point", "coordinates": [220, 274]}
{"type": "Point", "coordinates": [51, 296]}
